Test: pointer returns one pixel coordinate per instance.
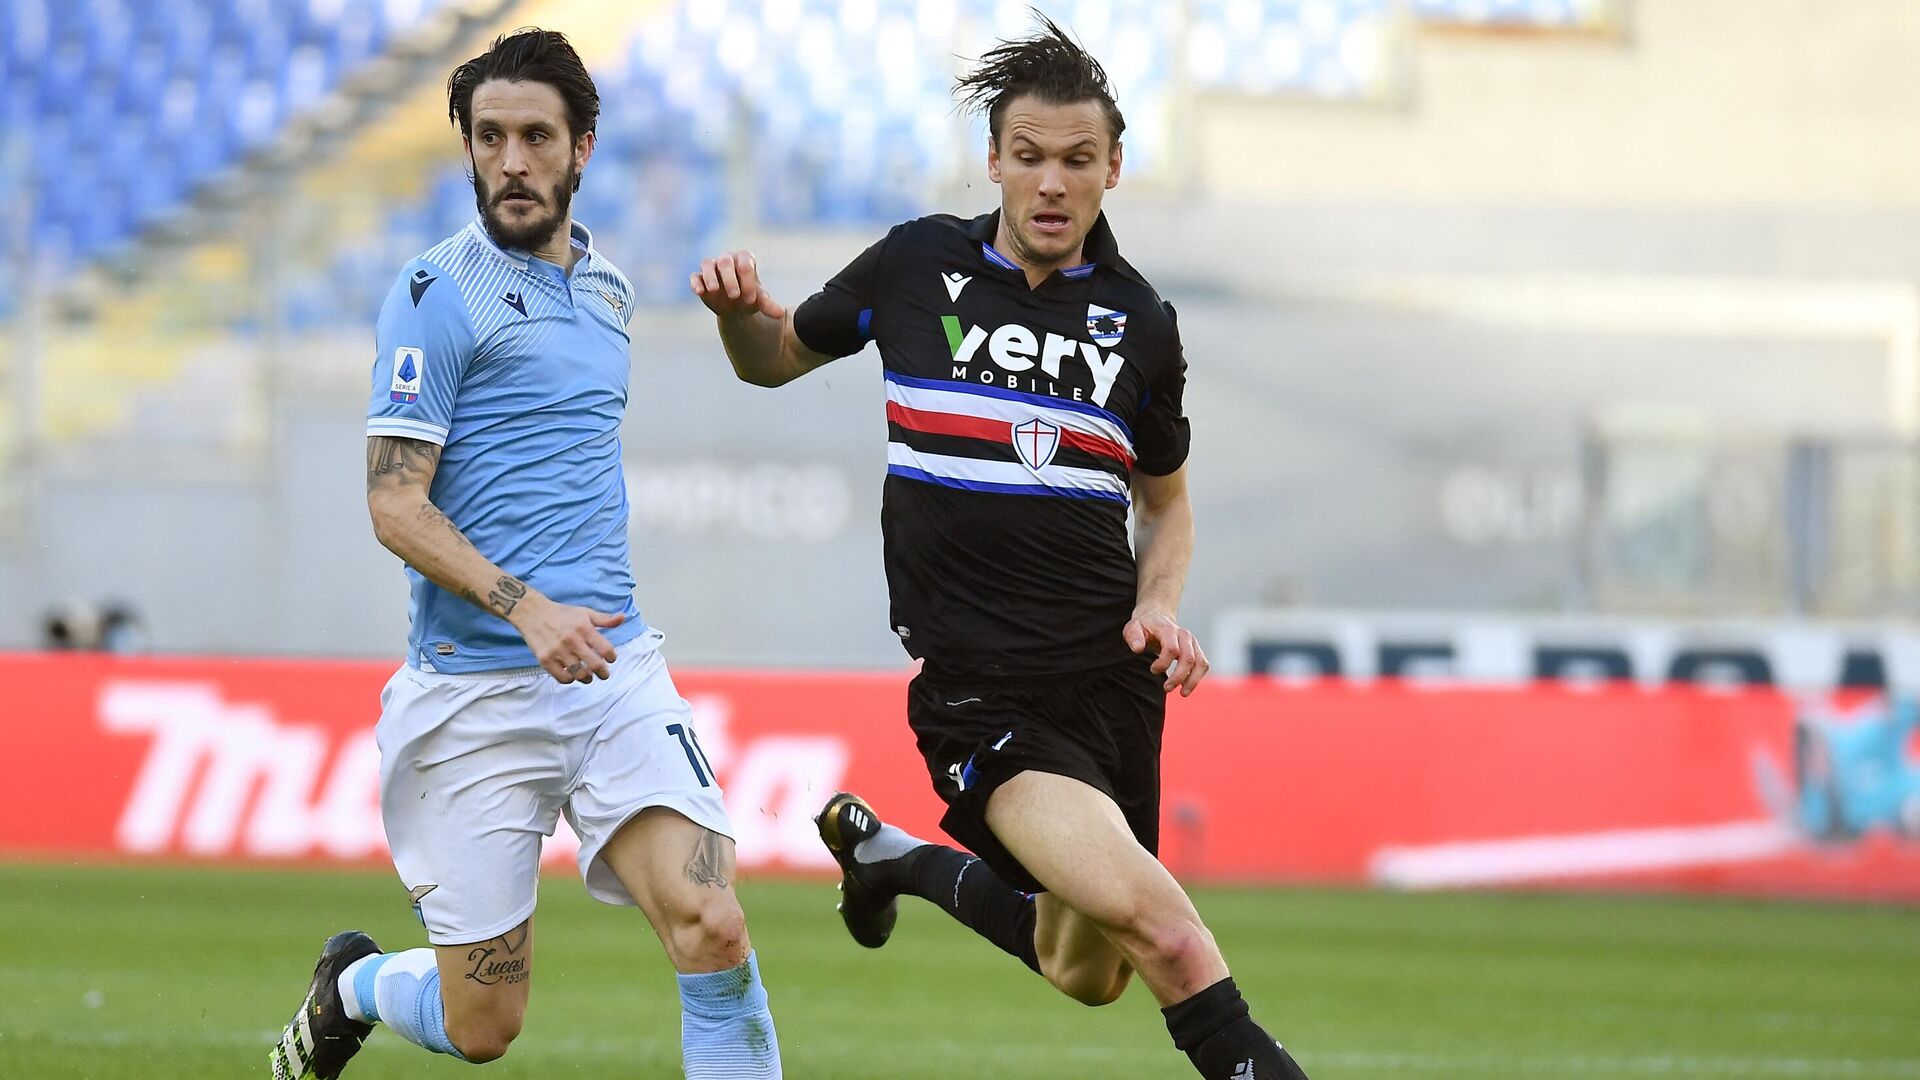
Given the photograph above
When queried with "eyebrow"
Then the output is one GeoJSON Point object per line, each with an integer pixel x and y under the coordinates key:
{"type": "Point", "coordinates": [1085, 141]}
{"type": "Point", "coordinates": [531, 125]}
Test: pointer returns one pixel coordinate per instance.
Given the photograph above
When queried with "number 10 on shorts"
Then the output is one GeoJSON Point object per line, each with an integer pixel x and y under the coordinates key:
{"type": "Point", "coordinates": [696, 757]}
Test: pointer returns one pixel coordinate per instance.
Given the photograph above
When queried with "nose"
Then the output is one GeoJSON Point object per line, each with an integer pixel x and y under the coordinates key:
{"type": "Point", "coordinates": [1053, 179]}
{"type": "Point", "coordinates": [514, 161]}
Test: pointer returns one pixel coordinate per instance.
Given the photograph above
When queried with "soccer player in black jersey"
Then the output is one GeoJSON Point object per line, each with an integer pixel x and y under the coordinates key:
{"type": "Point", "coordinates": [1034, 385]}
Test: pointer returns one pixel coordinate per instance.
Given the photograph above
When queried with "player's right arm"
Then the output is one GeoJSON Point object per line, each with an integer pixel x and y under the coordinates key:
{"type": "Point", "coordinates": [565, 638]}
{"type": "Point", "coordinates": [770, 345]}
{"type": "Point", "coordinates": [756, 331]}
{"type": "Point", "coordinates": [424, 346]}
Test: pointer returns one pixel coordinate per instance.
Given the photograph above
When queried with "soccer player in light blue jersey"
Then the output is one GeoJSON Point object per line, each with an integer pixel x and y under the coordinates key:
{"type": "Point", "coordinates": [532, 686]}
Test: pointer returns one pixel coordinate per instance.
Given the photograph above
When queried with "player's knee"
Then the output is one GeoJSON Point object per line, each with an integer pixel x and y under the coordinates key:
{"type": "Point", "coordinates": [1159, 941]}
{"type": "Point", "coordinates": [483, 1038]}
{"type": "Point", "coordinates": [710, 934]}
{"type": "Point", "coordinates": [1178, 944]}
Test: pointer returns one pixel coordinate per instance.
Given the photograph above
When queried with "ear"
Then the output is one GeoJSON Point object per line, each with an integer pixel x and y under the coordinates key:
{"type": "Point", "coordinates": [1113, 167]}
{"type": "Point", "coordinates": [583, 151]}
{"type": "Point", "coordinates": [993, 160]}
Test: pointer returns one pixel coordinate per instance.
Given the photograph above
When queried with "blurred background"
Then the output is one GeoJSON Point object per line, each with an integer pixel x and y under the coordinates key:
{"type": "Point", "coordinates": [1555, 381]}
{"type": "Point", "coordinates": [1533, 306]}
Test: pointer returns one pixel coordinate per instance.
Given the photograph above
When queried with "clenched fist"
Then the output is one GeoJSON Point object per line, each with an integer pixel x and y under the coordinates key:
{"type": "Point", "coordinates": [730, 286]}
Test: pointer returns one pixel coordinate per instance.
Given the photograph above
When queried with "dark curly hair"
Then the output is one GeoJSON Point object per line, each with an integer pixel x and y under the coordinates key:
{"type": "Point", "coordinates": [1050, 65]}
{"type": "Point", "coordinates": [528, 54]}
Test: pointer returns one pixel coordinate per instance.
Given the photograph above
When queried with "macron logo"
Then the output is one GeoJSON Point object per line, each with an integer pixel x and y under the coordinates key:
{"type": "Point", "coordinates": [955, 283]}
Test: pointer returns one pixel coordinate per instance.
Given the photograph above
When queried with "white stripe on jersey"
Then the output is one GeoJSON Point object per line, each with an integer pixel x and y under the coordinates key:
{"type": "Point", "coordinates": [961, 403]}
{"type": "Point", "coordinates": [1006, 473]}
{"type": "Point", "coordinates": [407, 429]}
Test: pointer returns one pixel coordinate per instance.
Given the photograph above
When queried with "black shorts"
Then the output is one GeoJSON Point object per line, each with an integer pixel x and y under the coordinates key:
{"type": "Point", "coordinates": [1101, 727]}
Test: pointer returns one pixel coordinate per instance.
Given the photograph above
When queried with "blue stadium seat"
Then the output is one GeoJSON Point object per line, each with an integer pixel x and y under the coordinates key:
{"type": "Point", "coordinates": [133, 103]}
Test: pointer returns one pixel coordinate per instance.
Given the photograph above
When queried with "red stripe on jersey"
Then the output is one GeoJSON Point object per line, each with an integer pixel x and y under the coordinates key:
{"type": "Point", "coordinates": [939, 423]}
{"type": "Point", "coordinates": [1094, 444]}
{"type": "Point", "coordinates": [999, 431]}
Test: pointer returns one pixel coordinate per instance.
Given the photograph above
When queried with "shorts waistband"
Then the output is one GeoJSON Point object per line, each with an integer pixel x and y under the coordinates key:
{"type": "Point", "coordinates": [502, 673]}
{"type": "Point", "coordinates": [962, 676]}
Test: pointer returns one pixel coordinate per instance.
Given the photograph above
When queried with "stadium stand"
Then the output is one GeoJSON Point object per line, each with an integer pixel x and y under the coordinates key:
{"type": "Point", "coordinates": [849, 116]}
{"type": "Point", "coordinates": [134, 103]}
{"type": "Point", "coordinates": [848, 120]}
{"type": "Point", "coordinates": [845, 120]}
{"type": "Point", "coordinates": [846, 101]}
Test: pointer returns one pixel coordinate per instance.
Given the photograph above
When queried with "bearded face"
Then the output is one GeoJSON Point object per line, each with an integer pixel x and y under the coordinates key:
{"type": "Point", "coordinates": [518, 216]}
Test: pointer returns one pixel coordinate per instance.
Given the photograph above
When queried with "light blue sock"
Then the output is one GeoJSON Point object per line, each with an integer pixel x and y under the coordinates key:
{"type": "Point", "coordinates": [726, 1032]}
{"type": "Point", "coordinates": [356, 987]}
{"type": "Point", "coordinates": [401, 990]}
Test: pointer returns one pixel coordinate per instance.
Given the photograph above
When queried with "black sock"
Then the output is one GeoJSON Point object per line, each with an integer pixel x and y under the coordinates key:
{"type": "Point", "coordinates": [1215, 1031]}
{"type": "Point", "coordinates": [965, 888]}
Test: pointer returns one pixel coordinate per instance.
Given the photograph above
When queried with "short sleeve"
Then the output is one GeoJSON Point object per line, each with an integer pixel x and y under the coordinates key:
{"type": "Point", "coordinates": [422, 346]}
{"type": "Point", "coordinates": [1162, 434]}
{"type": "Point", "coordinates": [838, 320]}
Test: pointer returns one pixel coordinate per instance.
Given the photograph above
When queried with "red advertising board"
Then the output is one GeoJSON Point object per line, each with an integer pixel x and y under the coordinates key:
{"type": "Point", "coordinates": [1398, 784]}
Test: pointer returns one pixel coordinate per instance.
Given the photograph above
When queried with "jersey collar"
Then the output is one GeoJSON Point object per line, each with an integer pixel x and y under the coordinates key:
{"type": "Point", "coordinates": [1101, 249]}
{"type": "Point", "coordinates": [521, 259]}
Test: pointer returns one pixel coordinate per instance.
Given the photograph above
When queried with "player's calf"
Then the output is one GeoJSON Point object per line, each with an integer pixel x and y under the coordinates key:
{"type": "Point", "coordinates": [681, 874]}
{"type": "Point", "coordinates": [483, 1035]}
{"type": "Point", "coordinates": [1090, 982]}
{"type": "Point", "coordinates": [481, 990]}
{"type": "Point", "coordinates": [1076, 956]}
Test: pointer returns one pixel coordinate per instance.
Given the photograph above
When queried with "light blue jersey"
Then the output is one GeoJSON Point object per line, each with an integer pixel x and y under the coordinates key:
{"type": "Point", "coordinates": [519, 370]}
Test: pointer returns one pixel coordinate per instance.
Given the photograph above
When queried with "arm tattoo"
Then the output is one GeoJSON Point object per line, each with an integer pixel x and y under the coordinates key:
{"type": "Point", "coordinates": [395, 457]}
{"type": "Point", "coordinates": [506, 593]}
{"type": "Point", "coordinates": [711, 863]}
{"type": "Point", "coordinates": [431, 515]}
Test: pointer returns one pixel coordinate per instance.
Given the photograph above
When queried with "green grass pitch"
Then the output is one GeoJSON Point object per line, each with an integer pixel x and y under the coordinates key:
{"type": "Point", "coordinates": [165, 973]}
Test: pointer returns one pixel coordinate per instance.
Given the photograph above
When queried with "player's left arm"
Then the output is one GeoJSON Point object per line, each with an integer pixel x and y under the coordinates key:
{"type": "Point", "coordinates": [1163, 535]}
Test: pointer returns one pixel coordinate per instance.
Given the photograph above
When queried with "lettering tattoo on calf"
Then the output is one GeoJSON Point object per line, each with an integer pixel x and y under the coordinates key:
{"type": "Point", "coordinates": [710, 864]}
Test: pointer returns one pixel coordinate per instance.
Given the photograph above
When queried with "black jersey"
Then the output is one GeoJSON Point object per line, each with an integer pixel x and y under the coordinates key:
{"type": "Point", "coordinates": [1015, 417]}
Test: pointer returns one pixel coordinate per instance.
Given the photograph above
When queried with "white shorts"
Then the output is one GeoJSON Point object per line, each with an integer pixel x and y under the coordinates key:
{"type": "Point", "coordinates": [476, 769]}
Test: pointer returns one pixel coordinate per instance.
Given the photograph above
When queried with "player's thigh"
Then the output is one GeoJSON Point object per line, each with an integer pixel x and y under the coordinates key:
{"type": "Point", "coordinates": [1075, 840]}
{"type": "Point", "coordinates": [681, 875]}
{"type": "Point", "coordinates": [468, 789]}
{"type": "Point", "coordinates": [484, 985]}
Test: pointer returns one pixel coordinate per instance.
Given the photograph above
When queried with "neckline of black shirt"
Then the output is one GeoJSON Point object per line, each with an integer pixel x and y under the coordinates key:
{"type": "Point", "coordinates": [1100, 249]}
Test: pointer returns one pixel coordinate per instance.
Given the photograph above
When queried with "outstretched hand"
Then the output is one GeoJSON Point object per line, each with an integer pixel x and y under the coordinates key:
{"type": "Point", "coordinates": [730, 286]}
{"type": "Point", "coordinates": [1180, 658]}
